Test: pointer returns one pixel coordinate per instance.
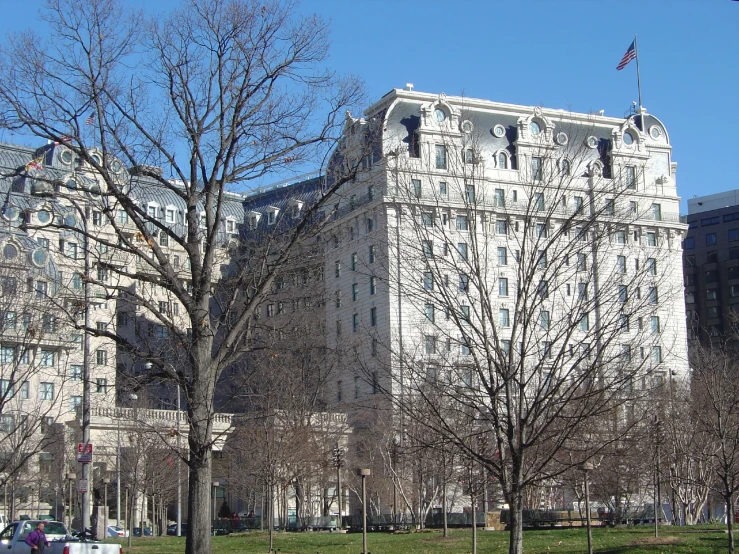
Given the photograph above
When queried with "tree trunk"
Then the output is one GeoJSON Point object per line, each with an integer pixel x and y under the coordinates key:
{"type": "Point", "coordinates": [199, 498]}
{"type": "Point", "coordinates": [443, 505]}
{"type": "Point", "coordinates": [515, 544]}
{"type": "Point", "coordinates": [730, 521]}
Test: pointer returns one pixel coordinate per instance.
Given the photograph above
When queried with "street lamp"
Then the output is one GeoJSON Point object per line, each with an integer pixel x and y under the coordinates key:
{"type": "Point", "coordinates": [215, 484]}
{"type": "Point", "coordinates": [71, 477]}
{"type": "Point", "coordinates": [338, 461]}
{"type": "Point", "coordinates": [106, 482]}
{"type": "Point", "coordinates": [364, 473]}
{"type": "Point", "coordinates": [588, 466]}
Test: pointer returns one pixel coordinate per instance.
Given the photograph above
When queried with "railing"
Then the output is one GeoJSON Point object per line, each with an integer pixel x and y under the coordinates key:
{"type": "Point", "coordinates": [148, 414]}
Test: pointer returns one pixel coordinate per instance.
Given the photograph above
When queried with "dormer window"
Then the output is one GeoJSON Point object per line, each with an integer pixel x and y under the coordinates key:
{"type": "Point", "coordinates": [254, 218]}
{"type": "Point", "coordinates": [230, 226]}
{"type": "Point", "coordinates": [170, 214]}
{"type": "Point", "coordinates": [272, 215]}
{"type": "Point", "coordinates": [151, 210]}
{"type": "Point", "coordinates": [296, 206]}
{"type": "Point", "coordinates": [203, 220]}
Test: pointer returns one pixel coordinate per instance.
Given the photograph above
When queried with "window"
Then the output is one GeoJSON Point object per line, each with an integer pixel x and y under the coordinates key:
{"type": "Point", "coordinates": [464, 314]}
{"type": "Point", "coordinates": [338, 327]}
{"type": "Point", "coordinates": [370, 224]}
{"type": "Point", "coordinates": [499, 198]}
{"type": "Point", "coordinates": [503, 317]}
{"type": "Point", "coordinates": [101, 385]}
{"type": "Point", "coordinates": [657, 212]}
{"type": "Point", "coordinates": [464, 283]}
{"type": "Point", "coordinates": [539, 201]}
{"type": "Point", "coordinates": [24, 390]}
{"type": "Point", "coordinates": [501, 227]}
{"type": "Point", "coordinates": [502, 286]}
{"type": "Point", "coordinates": [689, 243]}
{"type": "Point", "coordinates": [337, 269]}
{"type": "Point", "coordinates": [651, 238]}
{"type": "Point", "coordinates": [46, 358]}
{"type": "Point", "coordinates": [578, 204]}
{"type": "Point", "coordinates": [372, 254]}
{"type": "Point", "coordinates": [656, 355]}
{"type": "Point", "coordinates": [428, 248]}
{"type": "Point", "coordinates": [582, 291]}
{"type": "Point", "coordinates": [7, 321]}
{"type": "Point", "coordinates": [355, 292]}
{"type": "Point", "coordinates": [6, 388]}
{"type": "Point", "coordinates": [416, 186]}
{"type": "Point", "coordinates": [544, 320]}
{"type": "Point", "coordinates": [470, 194]}
{"type": "Point", "coordinates": [370, 193]}
{"type": "Point", "coordinates": [427, 219]}
{"type": "Point", "coordinates": [462, 223]}
{"type": "Point", "coordinates": [564, 166]}
{"type": "Point", "coordinates": [541, 230]}
{"type": "Point", "coordinates": [151, 211]}
{"type": "Point", "coordinates": [502, 255]}
{"type": "Point", "coordinates": [355, 323]}
{"type": "Point", "coordinates": [654, 324]}
{"type": "Point", "coordinates": [440, 156]}
{"type": "Point", "coordinates": [74, 403]}
{"type": "Point", "coordinates": [733, 235]}
{"type": "Point", "coordinates": [625, 325]}
{"type": "Point", "coordinates": [46, 391]}
{"type": "Point", "coordinates": [536, 170]}
{"type": "Point", "coordinates": [620, 237]}
{"type": "Point", "coordinates": [582, 262]}
{"type": "Point", "coordinates": [584, 323]}
{"type": "Point", "coordinates": [428, 311]}
{"type": "Point", "coordinates": [651, 266]}
{"type": "Point", "coordinates": [75, 372]}
{"type": "Point", "coordinates": [609, 207]}
{"type": "Point", "coordinates": [464, 346]}
{"type": "Point", "coordinates": [428, 281]}
{"type": "Point", "coordinates": [623, 293]}
{"type": "Point", "coordinates": [42, 288]}
{"type": "Point", "coordinates": [652, 295]}
{"type": "Point", "coordinates": [711, 294]}
{"type": "Point", "coordinates": [7, 425]}
{"type": "Point", "coordinates": [101, 357]}
{"type": "Point", "coordinates": [372, 286]}
{"type": "Point", "coordinates": [122, 217]}
{"type": "Point", "coordinates": [462, 250]}
{"type": "Point", "coordinates": [7, 354]}
{"type": "Point", "coordinates": [469, 156]}
{"type": "Point", "coordinates": [442, 188]}
{"type": "Point", "coordinates": [630, 176]}
{"type": "Point", "coordinates": [502, 161]}
{"type": "Point", "coordinates": [543, 289]}
{"type": "Point", "coordinates": [430, 344]}
{"type": "Point", "coordinates": [710, 239]}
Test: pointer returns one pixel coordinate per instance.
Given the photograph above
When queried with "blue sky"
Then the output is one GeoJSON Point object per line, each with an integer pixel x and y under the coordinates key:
{"type": "Point", "coordinates": [553, 53]}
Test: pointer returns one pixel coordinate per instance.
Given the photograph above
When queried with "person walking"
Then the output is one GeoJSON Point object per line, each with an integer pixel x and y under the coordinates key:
{"type": "Point", "coordinates": [37, 539]}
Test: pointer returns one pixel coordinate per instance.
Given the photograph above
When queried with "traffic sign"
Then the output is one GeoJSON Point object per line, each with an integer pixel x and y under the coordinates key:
{"type": "Point", "coordinates": [83, 485]}
{"type": "Point", "coordinates": [84, 452]}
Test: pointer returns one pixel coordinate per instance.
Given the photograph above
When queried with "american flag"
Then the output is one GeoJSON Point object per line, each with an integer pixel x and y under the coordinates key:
{"type": "Point", "coordinates": [90, 119]}
{"type": "Point", "coordinates": [63, 139]}
{"type": "Point", "coordinates": [630, 55]}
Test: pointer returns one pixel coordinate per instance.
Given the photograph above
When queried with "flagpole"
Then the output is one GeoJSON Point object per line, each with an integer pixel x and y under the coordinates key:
{"type": "Point", "coordinates": [638, 76]}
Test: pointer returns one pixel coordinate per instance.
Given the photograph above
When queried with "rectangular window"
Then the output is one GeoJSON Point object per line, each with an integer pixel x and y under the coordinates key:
{"type": "Point", "coordinates": [462, 250]}
{"type": "Point", "coordinates": [469, 192]}
{"type": "Point", "coordinates": [503, 317]}
{"type": "Point", "coordinates": [653, 296]}
{"type": "Point", "coordinates": [372, 254]}
{"type": "Point", "coordinates": [428, 281]}
{"type": "Point", "coordinates": [429, 312]}
{"type": "Point", "coordinates": [372, 286]}
{"type": "Point", "coordinates": [620, 237]}
{"type": "Point", "coordinates": [539, 201]}
{"type": "Point", "coordinates": [711, 239]}
{"type": "Point", "coordinates": [462, 223]}
{"type": "Point", "coordinates": [625, 325]}
{"type": "Point", "coordinates": [24, 391]}
{"type": "Point", "coordinates": [651, 238]}
{"type": "Point", "coordinates": [101, 385]}
{"type": "Point", "coordinates": [46, 358]}
{"type": "Point", "coordinates": [42, 288]}
{"type": "Point", "coordinates": [502, 286]}
{"type": "Point", "coordinates": [582, 262]}
{"type": "Point", "coordinates": [652, 266]}
{"type": "Point", "coordinates": [6, 388]}
{"type": "Point", "coordinates": [427, 219]}
{"type": "Point", "coordinates": [464, 314]}
{"type": "Point", "coordinates": [536, 172]}
{"type": "Point", "coordinates": [657, 212]}
{"type": "Point", "coordinates": [623, 293]}
{"type": "Point", "coordinates": [544, 320]}
{"type": "Point", "coordinates": [499, 198]}
{"type": "Point", "coordinates": [630, 176]}
{"type": "Point", "coordinates": [430, 344]}
{"type": "Point", "coordinates": [582, 291]}
{"type": "Point", "coordinates": [122, 217]}
{"type": "Point", "coordinates": [464, 283]}
{"type": "Point", "coordinates": [442, 188]}
{"type": "Point", "coordinates": [7, 354]}
{"type": "Point", "coordinates": [373, 317]}
{"type": "Point", "coordinates": [337, 269]}
{"type": "Point", "coordinates": [440, 156]}
{"type": "Point", "coordinates": [416, 184]}
{"type": "Point", "coordinates": [502, 255]}
{"type": "Point", "coordinates": [541, 230]}
{"type": "Point", "coordinates": [464, 346]}
{"type": "Point", "coordinates": [101, 357]}
{"type": "Point", "coordinates": [656, 355]}
{"type": "Point", "coordinates": [543, 290]}
{"type": "Point", "coordinates": [46, 391]}
{"type": "Point", "coordinates": [584, 324]}
{"type": "Point", "coordinates": [654, 323]}
{"type": "Point", "coordinates": [74, 403]}
{"type": "Point", "coordinates": [428, 248]}
{"type": "Point", "coordinates": [578, 204]}
{"type": "Point", "coordinates": [501, 227]}
{"type": "Point", "coordinates": [610, 208]}
{"type": "Point", "coordinates": [355, 323]}
{"type": "Point", "coordinates": [75, 372]}
{"type": "Point", "coordinates": [355, 292]}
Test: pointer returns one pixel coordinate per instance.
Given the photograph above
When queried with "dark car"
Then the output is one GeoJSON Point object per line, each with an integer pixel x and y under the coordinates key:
{"type": "Point", "coordinates": [172, 529]}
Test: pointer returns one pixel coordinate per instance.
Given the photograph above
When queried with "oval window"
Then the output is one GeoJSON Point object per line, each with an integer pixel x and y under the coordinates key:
{"type": "Point", "coordinates": [39, 257]}
{"type": "Point", "coordinates": [66, 157]}
{"type": "Point", "coordinates": [11, 213]}
{"type": "Point", "coordinates": [628, 138]}
{"type": "Point", "coordinates": [71, 184]}
{"type": "Point", "coordinates": [94, 191]}
{"type": "Point", "coordinates": [70, 220]}
{"type": "Point", "coordinates": [10, 251]}
{"type": "Point", "coordinates": [44, 216]}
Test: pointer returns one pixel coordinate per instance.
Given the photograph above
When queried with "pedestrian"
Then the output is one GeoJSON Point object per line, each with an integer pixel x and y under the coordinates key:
{"type": "Point", "coordinates": [37, 539]}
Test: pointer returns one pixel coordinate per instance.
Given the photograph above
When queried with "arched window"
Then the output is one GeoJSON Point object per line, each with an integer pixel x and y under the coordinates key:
{"type": "Point", "coordinates": [564, 166]}
{"type": "Point", "coordinates": [502, 161]}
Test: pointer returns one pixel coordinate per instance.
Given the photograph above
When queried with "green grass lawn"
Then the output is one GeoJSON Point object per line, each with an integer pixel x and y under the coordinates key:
{"type": "Point", "coordinates": [693, 540]}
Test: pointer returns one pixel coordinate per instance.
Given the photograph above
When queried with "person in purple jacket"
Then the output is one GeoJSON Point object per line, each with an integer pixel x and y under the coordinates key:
{"type": "Point", "coordinates": [37, 540]}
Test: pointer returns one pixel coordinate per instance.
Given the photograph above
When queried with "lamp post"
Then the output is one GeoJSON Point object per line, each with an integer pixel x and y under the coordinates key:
{"type": "Point", "coordinates": [588, 466]}
{"type": "Point", "coordinates": [215, 484]}
{"type": "Point", "coordinates": [106, 482]}
{"type": "Point", "coordinates": [179, 468]}
{"type": "Point", "coordinates": [338, 461]}
{"type": "Point", "coordinates": [71, 477]}
{"type": "Point", "coordinates": [364, 473]}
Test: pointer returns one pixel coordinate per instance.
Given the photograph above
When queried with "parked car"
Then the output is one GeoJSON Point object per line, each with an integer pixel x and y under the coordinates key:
{"type": "Point", "coordinates": [14, 536]}
{"type": "Point", "coordinates": [172, 529]}
{"type": "Point", "coordinates": [115, 531]}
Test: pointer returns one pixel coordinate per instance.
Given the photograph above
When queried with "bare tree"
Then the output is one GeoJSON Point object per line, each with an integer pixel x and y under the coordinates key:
{"type": "Point", "coordinates": [538, 293]}
{"type": "Point", "coordinates": [200, 101]}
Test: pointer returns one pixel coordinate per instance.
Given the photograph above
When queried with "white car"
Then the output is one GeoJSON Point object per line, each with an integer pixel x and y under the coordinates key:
{"type": "Point", "coordinates": [115, 531]}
